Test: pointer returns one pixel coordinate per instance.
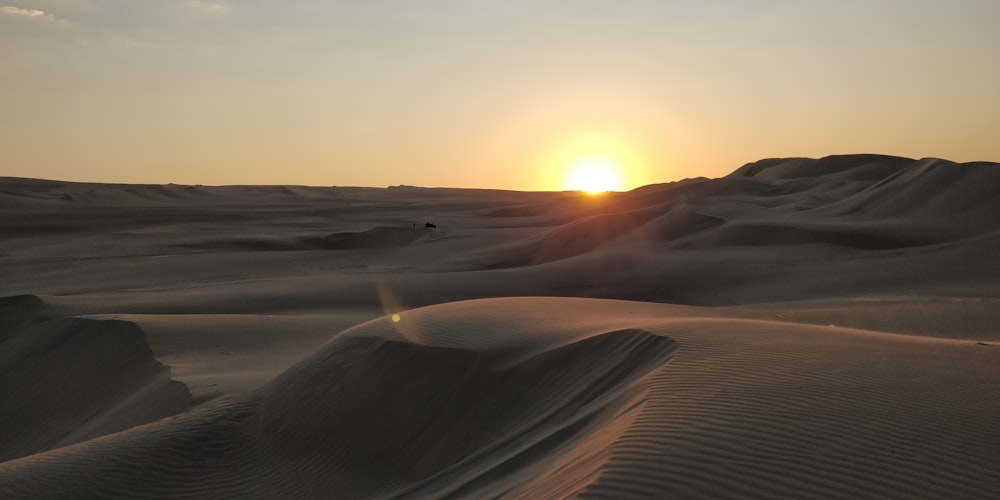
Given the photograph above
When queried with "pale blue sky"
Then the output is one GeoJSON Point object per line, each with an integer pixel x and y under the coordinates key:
{"type": "Point", "coordinates": [484, 94]}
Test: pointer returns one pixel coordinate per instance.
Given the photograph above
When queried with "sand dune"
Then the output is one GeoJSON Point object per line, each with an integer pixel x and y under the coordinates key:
{"type": "Point", "coordinates": [71, 379]}
{"type": "Point", "coordinates": [462, 399]}
{"type": "Point", "coordinates": [799, 328]}
{"type": "Point", "coordinates": [379, 237]}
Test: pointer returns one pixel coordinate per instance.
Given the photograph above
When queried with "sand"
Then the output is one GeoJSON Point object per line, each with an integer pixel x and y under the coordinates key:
{"type": "Point", "coordinates": [800, 328]}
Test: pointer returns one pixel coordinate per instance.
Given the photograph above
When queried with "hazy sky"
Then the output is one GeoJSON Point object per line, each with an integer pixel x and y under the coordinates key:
{"type": "Point", "coordinates": [476, 93]}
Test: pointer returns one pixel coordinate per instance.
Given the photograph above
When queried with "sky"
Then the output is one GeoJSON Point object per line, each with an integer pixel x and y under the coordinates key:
{"type": "Point", "coordinates": [485, 94]}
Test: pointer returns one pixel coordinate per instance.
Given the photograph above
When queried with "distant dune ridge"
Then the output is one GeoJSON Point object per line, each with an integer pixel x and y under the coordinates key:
{"type": "Point", "coordinates": [800, 328]}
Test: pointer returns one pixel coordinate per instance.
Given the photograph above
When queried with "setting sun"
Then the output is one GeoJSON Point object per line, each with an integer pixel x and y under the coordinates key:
{"type": "Point", "coordinates": [595, 161]}
{"type": "Point", "coordinates": [595, 174]}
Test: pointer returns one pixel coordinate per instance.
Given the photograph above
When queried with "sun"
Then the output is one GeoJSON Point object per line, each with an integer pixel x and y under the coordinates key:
{"type": "Point", "coordinates": [595, 174]}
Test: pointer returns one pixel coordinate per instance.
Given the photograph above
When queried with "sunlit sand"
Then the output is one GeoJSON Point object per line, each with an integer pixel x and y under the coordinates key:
{"type": "Point", "coordinates": [797, 329]}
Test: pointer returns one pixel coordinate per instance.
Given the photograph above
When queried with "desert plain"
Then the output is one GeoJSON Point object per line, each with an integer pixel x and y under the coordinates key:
{"type": "Point", "coordinates": [800, 328]}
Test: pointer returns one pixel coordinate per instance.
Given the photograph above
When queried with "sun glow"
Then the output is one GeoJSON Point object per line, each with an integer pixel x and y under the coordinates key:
{"type": "Point", "coordinates": [594, 162]}
{"type": "Point", "coordinates": [595, 174]}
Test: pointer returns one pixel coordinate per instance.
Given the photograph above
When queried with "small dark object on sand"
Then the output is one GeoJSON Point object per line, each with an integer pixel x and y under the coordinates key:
{"type": "Point", "coordinates": [432, 226]}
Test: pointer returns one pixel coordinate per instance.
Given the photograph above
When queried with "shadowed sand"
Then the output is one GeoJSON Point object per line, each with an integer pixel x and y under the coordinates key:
{"type": "Point", "coordinates": [800, 328]}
